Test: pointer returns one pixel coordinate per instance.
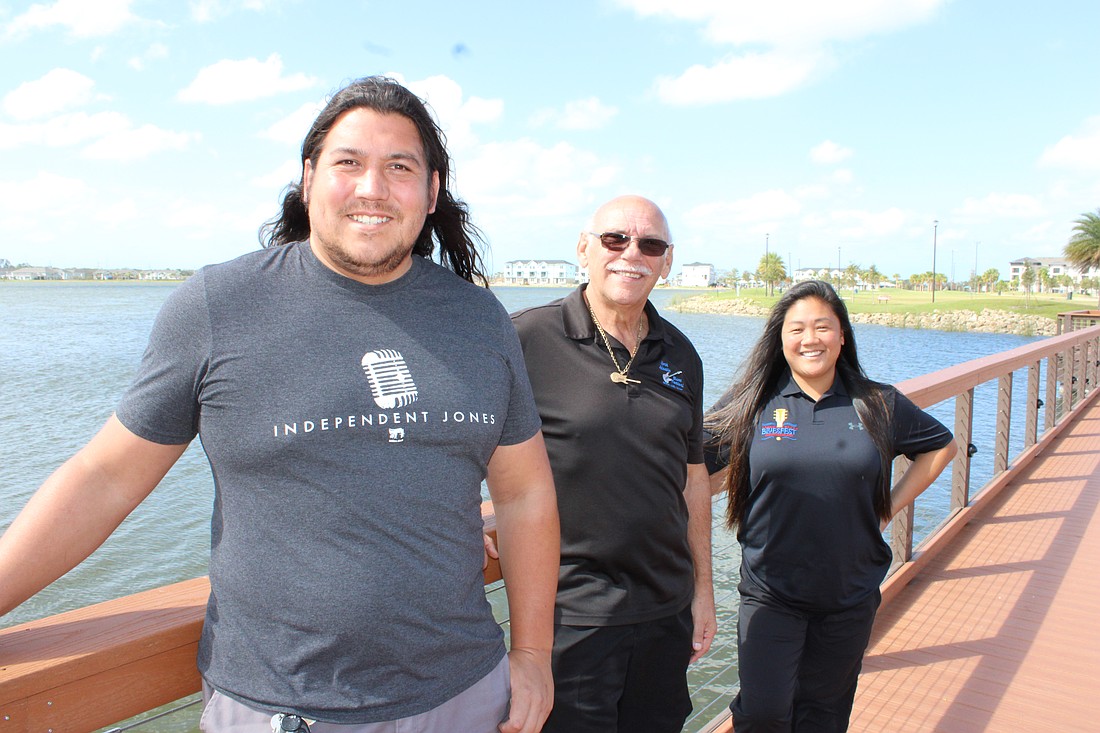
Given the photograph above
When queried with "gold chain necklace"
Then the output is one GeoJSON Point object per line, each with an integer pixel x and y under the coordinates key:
{"type": "Point", "coordinates": [619, 375]}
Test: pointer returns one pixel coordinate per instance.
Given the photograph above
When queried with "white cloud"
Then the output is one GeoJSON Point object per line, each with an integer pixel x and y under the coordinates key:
{"type": "Point", "coordinates": [829, 152]}
{"type": "Point", "coordinates": [1002, 205]}
{"type": "Point", "coordinates": [859, 225]}
{"type": "Point", "coordinates": [119, 212]}
{"type": "Point", "coordinates": [843, 175]}
{"type": "Point", "coordinates": [289, 172]}
{"type": "Point", "coordinates": [1079, 151]}
{"type": "Point", "coordinates": [82, 19]}
{"type": "Point", "coordinates": [204, 220]}
{"type": "Point", "coordinates": [227, 81]}
{"type": "Point", "coordinates": [137, 143]}
{"type": "Point", "coordinates": [765, 206]}
{"type": "Point", "coordinates": [782, 45]}
{"type": "Point", "coordinates": [801, 23]}
{"type": "Point", "coordinates": [455, 115]}
{"type": "Point", "coordinates": [63, 130]}
{"type": "Point", "coordinates": [58, 90]}
{"type": "Point", "coordinates": [750, 76]}
{"type": "Point", "coordinates": [526, 169]}
{"type": "Point", "coordinates": [204, 11]}
{"type": "Point", "coordinates": [155, 52]}
{"type": "Point", "coordinates": [107, 135]}
{"type": "Point", "coordinates": [24, 204]}
{"type": "Point", "coordinates": [579, 114]}
{"type": "Point", "coordinates": [292, 129]}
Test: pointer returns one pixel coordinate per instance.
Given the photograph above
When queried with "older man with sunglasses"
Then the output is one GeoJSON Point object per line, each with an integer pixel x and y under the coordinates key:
{"type": "Point", "coordinates": [620, 394]}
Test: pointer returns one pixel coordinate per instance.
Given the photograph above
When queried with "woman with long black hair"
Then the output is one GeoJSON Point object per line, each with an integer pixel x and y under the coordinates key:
{"type": "Point", "coordinates": [803, 446]}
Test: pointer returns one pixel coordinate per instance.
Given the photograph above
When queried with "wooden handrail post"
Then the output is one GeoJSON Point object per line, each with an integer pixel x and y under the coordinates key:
{"type": "Point", "coordinates": [901, 527]}
{"type": "Point", "coordinates": [964, 436]}
{"type": "Point", "coordinates": [1053, 364]}
{"type": "Point", "coordinates": [1004, 423]}
{"type": "Point", "coordinates": [1031, 415]}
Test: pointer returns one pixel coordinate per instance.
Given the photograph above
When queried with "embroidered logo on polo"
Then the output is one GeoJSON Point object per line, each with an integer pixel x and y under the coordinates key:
{"type": "Point", "coordinates": [780, 429]}
{"type": "Point", "coordinates": [390, 381]}
{"type": "Point", "coordinates": [671, 378]}
{"type": "Point", "coordinates": [855, 426]}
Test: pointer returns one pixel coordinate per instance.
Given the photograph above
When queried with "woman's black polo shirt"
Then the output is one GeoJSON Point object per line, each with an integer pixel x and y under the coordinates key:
{"type": "Point", "coordinates": [810, 537]}
{"type": "Point", "coordinates": [619, 454]}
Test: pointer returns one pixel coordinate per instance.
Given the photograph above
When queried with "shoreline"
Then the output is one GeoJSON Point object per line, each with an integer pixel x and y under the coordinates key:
{"type": "Point", "coordinates": [988, 321]}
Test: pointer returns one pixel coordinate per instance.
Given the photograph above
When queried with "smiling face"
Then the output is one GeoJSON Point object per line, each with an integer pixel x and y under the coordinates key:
{"type": "Point", "coordinates": [368, 195]}
{"type": "Point", "coordinates": [812, 338]}
{"type": "Point", "coordinates": [624, 279]}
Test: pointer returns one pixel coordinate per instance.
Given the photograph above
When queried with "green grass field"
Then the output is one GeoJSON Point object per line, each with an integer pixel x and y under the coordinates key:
{"type": "Point", "coordinates": [912, 301]}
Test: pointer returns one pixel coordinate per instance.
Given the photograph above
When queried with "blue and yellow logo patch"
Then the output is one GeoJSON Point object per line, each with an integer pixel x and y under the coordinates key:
{"type": "Point", "coordinates": [780, 429]}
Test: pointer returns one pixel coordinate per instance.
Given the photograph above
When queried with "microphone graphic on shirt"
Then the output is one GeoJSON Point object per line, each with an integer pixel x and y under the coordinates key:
{"type": "Point", "coordinates": [390, 381]}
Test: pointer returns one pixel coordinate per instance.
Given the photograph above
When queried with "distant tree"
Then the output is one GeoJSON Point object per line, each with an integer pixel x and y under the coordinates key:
{"type": "Point", "coordinates": [732, 278]}
{"type": "Point", "coordinates": [1083, 248]}
{"type": "Point", "coordinates": [872, 276]}
{"type": "Point", "coordinates": [850, 275]}
{"type": "Point", "coordinates": [1027, 279]}
{"type": "Point", "coordinates": [1001, 286]}
{"type": "Point", "coordinates": [771, 270]}
{"type": "Point", "coordinates": [1044, 279]}
{"type": "Point", "coordinates": [990, 278]}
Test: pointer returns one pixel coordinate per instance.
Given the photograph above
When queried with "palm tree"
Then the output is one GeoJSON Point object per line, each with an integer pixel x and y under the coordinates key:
{"type": "Point", "coordinates": [990, 278]}
{"type": "Point", "coordinates": [1083, 248]}
{"type": "Point", "coordinates": [771, 270]}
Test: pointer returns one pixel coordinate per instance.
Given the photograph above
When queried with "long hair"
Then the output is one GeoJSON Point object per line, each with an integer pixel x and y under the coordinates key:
{"type": "Point", "coordinates": [733, 419]}
{"type": "Point", "coordinates": [449, 224]}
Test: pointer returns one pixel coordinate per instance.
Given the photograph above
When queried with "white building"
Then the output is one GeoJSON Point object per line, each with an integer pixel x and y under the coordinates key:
{"type": "Point", "coordinates": [815, 273]}
{"type": "Point", "coordinates": [540, 272]}
{"type": "Point", "coordinates": [697, 275]}
{"type": "Point", "coordinates": [1055, 266]}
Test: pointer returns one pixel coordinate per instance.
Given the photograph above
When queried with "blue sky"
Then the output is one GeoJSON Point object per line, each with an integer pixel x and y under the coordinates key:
{"type": "Point", "coordinates": [160, 134]}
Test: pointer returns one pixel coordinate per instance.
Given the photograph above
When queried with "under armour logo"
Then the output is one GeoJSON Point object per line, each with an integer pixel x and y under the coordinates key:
{"type": "Point", "coordinates": [855, 426]}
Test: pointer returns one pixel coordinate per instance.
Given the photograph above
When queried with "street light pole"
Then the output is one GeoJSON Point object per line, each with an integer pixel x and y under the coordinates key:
{"type": "Point", "coordinates": [767, 266]}
{"type": "Point", "coordinates": [935, 226]}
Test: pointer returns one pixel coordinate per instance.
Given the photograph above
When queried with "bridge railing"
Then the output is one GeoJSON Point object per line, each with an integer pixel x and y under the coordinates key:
{"type": "Point", "coordinates": [1061, 373]}
{"type": "Point", "coordinates": [90, 668]}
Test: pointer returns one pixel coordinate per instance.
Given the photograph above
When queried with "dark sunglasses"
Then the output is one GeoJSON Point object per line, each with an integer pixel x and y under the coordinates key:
{"type": "Point", "coordinates": [616, 242]}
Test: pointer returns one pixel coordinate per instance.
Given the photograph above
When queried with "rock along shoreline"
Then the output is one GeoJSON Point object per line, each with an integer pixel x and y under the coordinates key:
{"type": "Point", "coordinates": [988, 321]}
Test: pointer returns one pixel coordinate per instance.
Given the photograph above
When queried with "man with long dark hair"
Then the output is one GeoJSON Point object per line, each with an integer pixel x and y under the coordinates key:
{"type": "Point", "coordinates": [349, 425]}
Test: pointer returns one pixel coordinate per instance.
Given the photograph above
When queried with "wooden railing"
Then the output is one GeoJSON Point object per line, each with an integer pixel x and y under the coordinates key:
{"type": "Point", "coordinates": [92, 667]}
{"type": "Point", "coordinates": [1077, 320]}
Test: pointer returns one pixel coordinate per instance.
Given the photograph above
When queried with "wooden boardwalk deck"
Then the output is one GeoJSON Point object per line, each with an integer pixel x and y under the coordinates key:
{"type": "Point", "coordinates": [1001, 631]}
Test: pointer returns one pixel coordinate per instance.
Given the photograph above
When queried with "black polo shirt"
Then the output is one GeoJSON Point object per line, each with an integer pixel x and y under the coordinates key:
{"type": "Point", "coordinates": [619, 453]}
{"type": "Point", "coordinates": [810, 536]}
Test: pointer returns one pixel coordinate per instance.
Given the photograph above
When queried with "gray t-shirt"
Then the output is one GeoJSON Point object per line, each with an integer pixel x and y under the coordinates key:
{"type": "Point", "coordinates": [348, 428]}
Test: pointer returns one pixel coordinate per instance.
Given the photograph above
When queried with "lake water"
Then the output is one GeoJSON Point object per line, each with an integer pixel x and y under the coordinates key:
{"type": "Point", "coordinates": [68, 351]}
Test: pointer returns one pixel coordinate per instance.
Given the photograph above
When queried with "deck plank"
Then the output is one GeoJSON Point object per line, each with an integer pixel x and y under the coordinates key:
{"type": "Point", "coordinates": [999, 632]}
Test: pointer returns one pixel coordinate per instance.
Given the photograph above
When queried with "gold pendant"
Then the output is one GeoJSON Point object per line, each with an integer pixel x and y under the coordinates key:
{"type": "Point", "coordinates": [620, 378]}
